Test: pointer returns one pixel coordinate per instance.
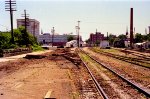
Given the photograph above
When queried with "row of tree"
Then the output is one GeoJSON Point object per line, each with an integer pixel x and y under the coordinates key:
{"type": "Point", "coordinates": [21, 39]}
{"type": "Point", "coordinates": [119, 40]}
{"type": "Point", "coordinates": [138, 38]}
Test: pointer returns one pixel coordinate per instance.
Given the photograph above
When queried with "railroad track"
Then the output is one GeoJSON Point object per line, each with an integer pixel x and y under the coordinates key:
{"type": "Point", "coordinates": [137, 54]}
{"type": "Point", "coordinates": [136, 61]}
{"type": "Point", "coordinates": [97, 85]}
{"type": "Point", "coordinates": [143, 91]}
{"type": "Point", "coordinates": [146, 57]}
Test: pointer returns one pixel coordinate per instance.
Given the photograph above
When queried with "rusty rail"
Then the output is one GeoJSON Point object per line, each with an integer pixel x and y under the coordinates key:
{"type": "Point", "coordinates": [145, 92]}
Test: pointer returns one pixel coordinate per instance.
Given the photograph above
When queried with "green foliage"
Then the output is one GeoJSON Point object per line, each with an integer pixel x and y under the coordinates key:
{"type": "Point", "coordinates": [111, 39]}
{"type": "Point", "coordinates": [138, 38]}
{"type": "Point", "coordinates": [70, 37]}
{"type": "Point", "coordinates": [21, 38]}
{"type": "Point", "coordinates": [97, 42]}
{"type": "Point", "coordinates": [5, 40]}
{"type": "Point", "coordinates": [122, 37]}
{"type": "Point", "coordinates": [119, 41]}
{"type": "Point", "coordinates": [32, 39]}
{"type": "Point", "coordinates": [87, 41]}
{"type": "Point", "coordinates": [146, 37]}
{"type": "Point", "coordinates": [37, 48]}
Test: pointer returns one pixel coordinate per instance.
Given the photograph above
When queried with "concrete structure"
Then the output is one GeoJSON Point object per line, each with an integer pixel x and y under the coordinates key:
{"type": "Point", "coordinates": [104, 44]}
{"type": "Point", "coordinates": [96, 37]}
{"type": "Point", "coordinates": [33, 26]}
{"type": "Point", "coordinates": [58, 40]}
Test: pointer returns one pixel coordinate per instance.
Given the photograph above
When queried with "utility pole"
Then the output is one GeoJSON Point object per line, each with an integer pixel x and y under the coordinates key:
{"type": "Point", "coordinates": [26, 23]}
{"type": "Point", "coordinates": [96, 38]}
{"type": "Point", "coordinates": [53, 31]}
{"type": "Point", "coordinates": [107, 35]}
{"type": "Point", "coordinates": [78, 30]}
{"type": "Point", "coordinates": [77, 34]}
{"type": "Point", "coordinates": [10, 6]}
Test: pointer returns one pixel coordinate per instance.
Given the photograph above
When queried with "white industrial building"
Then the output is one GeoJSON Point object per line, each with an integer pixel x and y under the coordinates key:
{"type": "Point", "coordinates": [58, 40]}
{"type": "Point", "coordinates": [45, 38]}
{"type": "Point", "coordinates": [104, 44]}
{"type": "Point", "coordinates": [72, 43]}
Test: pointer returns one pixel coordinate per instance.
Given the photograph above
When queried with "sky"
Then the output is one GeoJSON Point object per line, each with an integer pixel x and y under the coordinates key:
{"type": "Point", "coordinates": [112, 16]}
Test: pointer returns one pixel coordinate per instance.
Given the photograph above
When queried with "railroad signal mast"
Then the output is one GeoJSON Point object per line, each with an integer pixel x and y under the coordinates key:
{"type": "Point", "coordinates": [10, 5]}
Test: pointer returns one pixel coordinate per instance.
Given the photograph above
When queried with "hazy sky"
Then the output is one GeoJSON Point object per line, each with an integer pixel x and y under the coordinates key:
{"type": "Point", "coordinates": [111, 16]}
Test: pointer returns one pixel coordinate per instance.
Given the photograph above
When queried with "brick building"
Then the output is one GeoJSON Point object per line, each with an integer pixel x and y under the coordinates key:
{"type": "Point", "coordinates": [97, 37]}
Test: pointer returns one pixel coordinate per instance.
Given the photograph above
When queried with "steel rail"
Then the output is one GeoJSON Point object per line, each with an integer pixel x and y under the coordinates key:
{"type": "Point", "coordinates": [145, 92]}
{"type": "Point", "coordinates": [146, 56]}
{"type": "Point", "coordinates": [123, 58]}
{"type": "Point", "coordinates": [143, 56]}
{"type": "Point", "coordinates": [98, 87]}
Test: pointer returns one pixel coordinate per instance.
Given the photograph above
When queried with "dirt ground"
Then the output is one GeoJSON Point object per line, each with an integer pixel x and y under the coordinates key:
{"type": "Point", "coordinates": [32, 79]}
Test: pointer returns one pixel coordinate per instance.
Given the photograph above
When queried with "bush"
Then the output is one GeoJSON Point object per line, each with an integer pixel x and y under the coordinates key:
{"type": "Point", "coordinates": [21, 39]}
{"type": "Point", "coordinates": [1, 52]}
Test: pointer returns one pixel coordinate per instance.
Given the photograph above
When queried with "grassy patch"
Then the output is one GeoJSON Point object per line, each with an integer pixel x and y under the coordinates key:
{"type": "Point", "coordinates": [37, 48]}
{"type": "Point", "coordinates": [84, 57]}
{"type": "Point", "coordinates": [106, 50]}
{"type": "Point", "coordinates": [75, 95]}
{"type": "Point", "coordinates": [69, 74]}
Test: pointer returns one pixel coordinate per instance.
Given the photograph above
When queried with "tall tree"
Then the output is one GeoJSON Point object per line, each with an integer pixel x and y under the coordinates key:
{"type": "Point", "coordinates": [138, 38]}
{"type": "Point", "coordinates": [70, 37]}
{"type": "Point", "coordinates": [122, 37]}
{"type": "Point", "coordinates": [111, 39]}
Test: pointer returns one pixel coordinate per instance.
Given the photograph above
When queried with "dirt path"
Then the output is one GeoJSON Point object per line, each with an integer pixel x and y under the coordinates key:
{"type": "Point", "coordinates": [10, 58]}
{"type": "Point", "coordinates": [32, 79]}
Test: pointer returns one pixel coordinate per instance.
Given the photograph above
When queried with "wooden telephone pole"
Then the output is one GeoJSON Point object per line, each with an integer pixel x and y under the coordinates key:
{"type": "Point", "coordinates": [10, 6]}
{"type": "Point", "coordinates": [26, 23]}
